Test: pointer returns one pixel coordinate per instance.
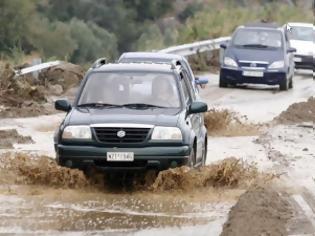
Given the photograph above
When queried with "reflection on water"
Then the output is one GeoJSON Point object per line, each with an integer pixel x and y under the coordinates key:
{"type": "Point", "coordinates": [72, 212]}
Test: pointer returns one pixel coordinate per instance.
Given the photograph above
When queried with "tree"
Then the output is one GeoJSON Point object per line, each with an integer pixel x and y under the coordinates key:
{"type": "Point", "coordinates": [15, 16]}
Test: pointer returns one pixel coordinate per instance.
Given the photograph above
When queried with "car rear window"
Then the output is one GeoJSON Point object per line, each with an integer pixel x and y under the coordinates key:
{"type": "Point", "coordinates": [121, 88]}
{"type": "Point", "coordinates": [259, 38]}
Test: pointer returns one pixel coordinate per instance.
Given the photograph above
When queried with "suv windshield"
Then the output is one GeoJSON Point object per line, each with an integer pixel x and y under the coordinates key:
{"type": "Point", "coordinates": [257, 38]}
{"type": "Point", "coordinates": [131, 89]}
{"type": "Point", "coordinates": [301, 33]}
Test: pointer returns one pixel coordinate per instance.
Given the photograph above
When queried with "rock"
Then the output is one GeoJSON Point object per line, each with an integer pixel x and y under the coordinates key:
{"type": "Point", "coordinates": [55, 89]}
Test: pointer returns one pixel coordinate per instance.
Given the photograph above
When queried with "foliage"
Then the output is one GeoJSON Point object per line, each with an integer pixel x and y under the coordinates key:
{"type": "Point", "coordinates": [211, 23]}
{"type": "Point", "coordinates": [82, 30]}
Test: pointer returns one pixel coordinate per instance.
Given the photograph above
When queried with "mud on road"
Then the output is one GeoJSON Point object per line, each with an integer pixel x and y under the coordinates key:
{"type": "Point", "coordinates": [38, 197]}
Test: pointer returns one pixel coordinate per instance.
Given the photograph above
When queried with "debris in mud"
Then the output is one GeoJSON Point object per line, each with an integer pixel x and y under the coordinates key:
{"type": "Point", "coordinates": [223, 122]}
{"type": "Point", "coordinates": [230, 172]}
{"type": "Point", "coordinates": [39, 170]}
{"type": "Point", "coordinates": [66, 75]}
{"type": "Point", "coordinates": [10, 137]}
{"type": "Point", "coordinates": [298, 113]}
{"type": "Point", "coordinates": [259, 211]}
{"type": "Point", "coordinates": [26, 95]}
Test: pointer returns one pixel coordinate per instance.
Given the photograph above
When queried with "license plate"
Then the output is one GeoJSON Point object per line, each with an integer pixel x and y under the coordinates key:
{"type": "Point", "coordinates": [253, 73]}
{"type": "Point", "coordinates": [297, 59]}
{"type": "Point", "coordinates": [120, 156]}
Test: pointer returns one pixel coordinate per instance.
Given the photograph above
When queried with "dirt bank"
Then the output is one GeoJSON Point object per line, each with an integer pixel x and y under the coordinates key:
{"type": "Point", "coordinates": [10, 137]}
{"type": "Point", "coordinates": [223, 122]}
{"type": "Point", "coordinates": [25, 96]}
{"type": "Point", "coordinates": [298, 113]}
{"type": "Point", "coordinates": [259, 211]}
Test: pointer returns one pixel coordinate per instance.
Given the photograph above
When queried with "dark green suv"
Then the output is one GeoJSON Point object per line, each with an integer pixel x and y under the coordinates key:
{"type": "Point", "coordinates": [130, 117]}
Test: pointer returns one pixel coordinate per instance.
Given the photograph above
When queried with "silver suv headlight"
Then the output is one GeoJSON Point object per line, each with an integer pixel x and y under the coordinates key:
{"type": "Point", "coordinates": [167, 133]}
{"type": "Point", "coordinates": [277, 65]}
{"type": "Point", "coordinates": [77, 132]}
{"type": "Point", "coordinates": [228, 61]}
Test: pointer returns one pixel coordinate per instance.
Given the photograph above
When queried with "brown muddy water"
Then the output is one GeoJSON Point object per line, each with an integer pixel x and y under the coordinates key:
{"type": "Point", "coordinates": [39, 198]}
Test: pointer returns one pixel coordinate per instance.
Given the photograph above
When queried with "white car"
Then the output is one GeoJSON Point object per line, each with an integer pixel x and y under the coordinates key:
{"type": "Point", "coordinates": [302, 38]}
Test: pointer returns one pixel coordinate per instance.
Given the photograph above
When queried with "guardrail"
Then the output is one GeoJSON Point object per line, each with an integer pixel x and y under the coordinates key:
{"type": "Point", "coordinates": [196, 47]}
{"type": "Point", "coordinates": [37, 68]}
{"type": "Point", "coordinates": [183, 50]}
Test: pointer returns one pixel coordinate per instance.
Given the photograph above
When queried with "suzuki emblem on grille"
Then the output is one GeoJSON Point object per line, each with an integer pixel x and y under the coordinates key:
{"type": "Point", "coordinates": [121, 134]}
{"type": "Point", "coordinates": [253, 64]}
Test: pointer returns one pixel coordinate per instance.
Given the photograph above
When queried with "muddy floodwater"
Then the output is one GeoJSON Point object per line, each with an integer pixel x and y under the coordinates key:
{"type": "Point", "coordinates": [38, 210]}
{"type": "Point", "coordinates": [37, 198]}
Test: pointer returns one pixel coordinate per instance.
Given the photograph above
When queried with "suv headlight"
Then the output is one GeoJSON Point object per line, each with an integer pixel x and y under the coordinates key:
{"type": "Point", "coordinates": [277, 65]}
{"type": "Point", "coordinates": [77, 132]}
{"type": "Point", "coordinates": [167, 133]}
{"type": "Point", "coordinates": [228, 61]}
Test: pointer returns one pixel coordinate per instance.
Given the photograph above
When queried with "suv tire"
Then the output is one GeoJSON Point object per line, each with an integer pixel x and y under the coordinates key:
{"type": "Point", "coordinates": [291, 83]}
{"type": "Point", "coordinates": [192, 158]}
{"type": "Point", "coordinates": [222, 83]}
{"type": "Point", "coordinates": [284, 85]}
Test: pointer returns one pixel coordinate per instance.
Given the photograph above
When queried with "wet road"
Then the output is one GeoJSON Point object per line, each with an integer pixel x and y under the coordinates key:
{"type": "Point", "coordinates": [39, 210]}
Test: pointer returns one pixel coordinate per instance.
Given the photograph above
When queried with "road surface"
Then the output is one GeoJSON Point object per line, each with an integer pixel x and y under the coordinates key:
{"type": "Point", "coordinates": [31, 210]}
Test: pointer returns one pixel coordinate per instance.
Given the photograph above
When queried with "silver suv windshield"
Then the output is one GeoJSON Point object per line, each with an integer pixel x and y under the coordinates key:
{"type": "Point", "coordinates": [148, 89]}
{"type": "Point", "coordinates": [301, 33]}
{"type": "Point", "coordinates": [257, 38]}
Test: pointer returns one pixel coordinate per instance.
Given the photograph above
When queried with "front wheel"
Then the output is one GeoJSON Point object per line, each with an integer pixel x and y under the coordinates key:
{"type": "Point", "coordinates": [291, 83]}
{"type": "Point", "coordinates": [192, 158]}
{"type": "Point", "coordinates": [204, 155]}
{"type": "Point", "coordinates": [284, 85]}
{"type": "Point", "coordinates": [222, 83]}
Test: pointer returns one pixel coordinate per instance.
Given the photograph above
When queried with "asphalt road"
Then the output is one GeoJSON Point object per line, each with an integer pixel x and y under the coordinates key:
{"type": "Point", "coordinates": [259, 103]}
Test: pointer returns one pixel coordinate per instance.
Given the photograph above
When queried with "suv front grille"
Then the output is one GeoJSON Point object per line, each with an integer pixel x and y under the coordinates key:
{"type": "Point", "coordinates": [249, 64]}
{"type": "Point", "coordinates": [132, 135]}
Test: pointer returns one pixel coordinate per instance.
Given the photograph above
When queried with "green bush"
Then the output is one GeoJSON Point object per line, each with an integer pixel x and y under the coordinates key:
{"type": "Point", "coordinates": [213, 22]}
{"type": "Point", "coordinates": [91, 42]}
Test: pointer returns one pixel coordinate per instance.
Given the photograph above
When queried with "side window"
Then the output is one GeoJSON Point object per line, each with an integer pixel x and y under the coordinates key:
{"type": "Point", "coordinates": [185, 89]}
{"type": "Point", "coordinates": [287, 41]}
{"type": "Point", "coordinates": [189, 86]}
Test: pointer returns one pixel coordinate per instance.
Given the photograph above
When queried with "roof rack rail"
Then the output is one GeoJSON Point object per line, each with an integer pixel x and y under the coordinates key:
{"type": "Point", "coordinates": [174, 63]}
{"type": "Point", "coordinates": [99, 62]}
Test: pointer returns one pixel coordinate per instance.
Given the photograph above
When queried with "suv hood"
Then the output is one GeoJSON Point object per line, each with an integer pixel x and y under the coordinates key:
{"type": "Point", "coordinates": [252, 54]}
{"type": "Point", "coordinates": [156, 116]}
{"type": "Point", "coordinates": [306, 48]}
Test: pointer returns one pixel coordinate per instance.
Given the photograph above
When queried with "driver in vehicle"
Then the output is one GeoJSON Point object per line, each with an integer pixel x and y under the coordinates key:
{"type": "Point", "coordinates": [163, 92]}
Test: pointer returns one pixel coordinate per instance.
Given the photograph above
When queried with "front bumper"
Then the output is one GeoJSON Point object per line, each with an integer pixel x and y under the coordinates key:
{"type": "Point", "coordinates": [235, 76]}
{"type": "Point", "coordinates": [160, 158]}
{"type": "Point", "coordinates": [304, 62]}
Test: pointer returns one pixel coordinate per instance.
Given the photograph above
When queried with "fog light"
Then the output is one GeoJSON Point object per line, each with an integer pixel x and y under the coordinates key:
{"type": "Point", "coordinates": [173, 164]}
{"type": "Point", "coordinates": [68, 164]}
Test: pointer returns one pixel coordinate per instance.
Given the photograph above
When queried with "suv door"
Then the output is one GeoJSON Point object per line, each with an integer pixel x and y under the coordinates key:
{"type": "Point", "coordinates": [194, 119]}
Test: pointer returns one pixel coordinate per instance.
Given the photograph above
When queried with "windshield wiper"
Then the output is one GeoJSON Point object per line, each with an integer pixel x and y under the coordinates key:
{"type": "Point", "coordinates": [98, 104]}
{"type": "Point", "coordinates": [141, 105]}
{"type": "Point", "coordinates": [254, 45]}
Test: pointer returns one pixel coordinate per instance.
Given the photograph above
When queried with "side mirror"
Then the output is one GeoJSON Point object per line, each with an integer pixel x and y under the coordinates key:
{"type": "Point", "coordinates": [198, 107]}
{"type": "Point", "coordinates": [223, 45]}
{"type": "Point", "coordinates": [291, 50]}
{"type": "Point", "coordinates": [201, 82]}
{"type": "Point", "coordinates": [63, 105]}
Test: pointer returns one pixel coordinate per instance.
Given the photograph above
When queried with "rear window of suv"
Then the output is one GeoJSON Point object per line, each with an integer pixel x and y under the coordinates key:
{"type": "Point", "coordinates": [257, 38]}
